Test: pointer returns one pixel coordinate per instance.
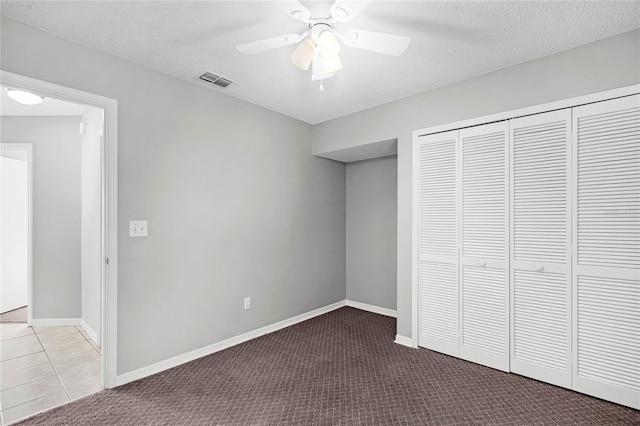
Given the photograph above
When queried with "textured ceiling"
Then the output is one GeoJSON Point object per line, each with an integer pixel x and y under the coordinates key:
{"type": "Point", "coordinates": [451, 41]}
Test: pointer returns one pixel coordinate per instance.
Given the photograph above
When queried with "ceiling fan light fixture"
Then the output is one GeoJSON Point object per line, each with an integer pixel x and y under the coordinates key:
{"type": "Point", "coordinates": [331, 64]}
{"type": "Point", "coordinates": [25, 98]}
{"type": "Point", "coordinates": [328, 44]}
{"type": "Point", "coordinates": [303, 55]}
{"type": "Point", "coordinates": [320, 44]}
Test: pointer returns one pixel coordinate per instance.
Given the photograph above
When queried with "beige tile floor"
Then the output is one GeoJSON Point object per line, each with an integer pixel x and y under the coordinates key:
{"type": "Point", "coordinates": [42, 367]}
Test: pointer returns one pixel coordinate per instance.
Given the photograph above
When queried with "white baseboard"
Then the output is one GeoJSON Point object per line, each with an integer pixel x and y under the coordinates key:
{"type": "Point", "coordinates": [405, 341]}
{"type": "Point", "coordinates": [372, 308]}
{"type": "Point", "coordinates": [90, 331]}
{"type": "Point", "coordinates": [227, 343]}
{"type": "Point", "coordinates": [54, 322]}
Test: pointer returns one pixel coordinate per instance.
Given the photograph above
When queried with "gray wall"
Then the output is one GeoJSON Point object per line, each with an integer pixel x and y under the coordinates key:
{"type": "Point", "coordinates": [372, 190]}
{"type": "Point", "coordinates": [603, 65]}
{"type": "Point", "coordinates": [56, 210]}
{"type": "Point", "coordinates": [237, 205]}
{"type": "Point", "coordinates": [91, 216]}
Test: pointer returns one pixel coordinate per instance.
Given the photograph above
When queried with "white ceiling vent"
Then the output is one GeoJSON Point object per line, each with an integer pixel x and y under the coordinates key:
{"type": "Point", "coordinates": [215, 79]}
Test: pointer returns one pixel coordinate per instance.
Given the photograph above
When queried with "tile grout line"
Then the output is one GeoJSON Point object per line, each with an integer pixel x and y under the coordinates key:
{"type": "Point", "coordinates": [53, 366]}
{"type": "Point", "coordinates": [56, 372]}
{"type": "Point", "coordinates": [43, 396]}
{"type": "Point", "coordinates": [25, 367]}
{"type": "Point", "coordinates": [92, 345]}
{"type": "Point", "coordinates": [22, 356]}
{"type": "Point", "coordinates": [17, 337]}
{"type": "Point", "coordinates": [30, 381]}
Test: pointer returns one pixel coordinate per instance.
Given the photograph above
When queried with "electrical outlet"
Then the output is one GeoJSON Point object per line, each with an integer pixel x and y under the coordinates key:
{"type": "Point", "coordinates": [138, 228]}
{"type": "Point", "coordinates": [247, 303]}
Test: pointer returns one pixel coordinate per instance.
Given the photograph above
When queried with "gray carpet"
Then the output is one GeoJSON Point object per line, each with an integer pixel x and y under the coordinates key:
{"type": "Point", "coordinates": [341, 368]}
{"type": "Point", "coordinates": [17, 315]}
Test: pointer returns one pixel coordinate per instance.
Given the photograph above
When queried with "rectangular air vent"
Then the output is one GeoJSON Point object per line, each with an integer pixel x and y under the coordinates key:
{"type": "Point", "coordinates": [215, 79]}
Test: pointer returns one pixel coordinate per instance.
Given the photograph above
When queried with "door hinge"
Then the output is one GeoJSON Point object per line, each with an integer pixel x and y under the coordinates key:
{"type": "Point", "coordinates": [106, 260]}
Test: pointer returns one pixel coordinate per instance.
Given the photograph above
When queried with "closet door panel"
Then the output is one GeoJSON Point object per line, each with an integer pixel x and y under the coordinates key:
{"type": "Point", "coordinates": [484, 285]}
{"type": "Point", "coordinates": [439, 306]}
{"type": "Point", "coordinates": [484, 316]}
{"type": "Point", "coordinates": [539, 346]}
{"type": "Point", "coordinates": [540, 247]}
{"type": "Point", "coordinates": [437, 241]}
{"type": "Point", "coordinates": [606, 267]}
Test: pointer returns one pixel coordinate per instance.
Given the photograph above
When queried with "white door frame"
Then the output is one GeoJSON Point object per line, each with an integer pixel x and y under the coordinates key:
{"type": "Point", "coordinates": [109, 273]}
{"type": "Point", "coordinates": [28, 148]}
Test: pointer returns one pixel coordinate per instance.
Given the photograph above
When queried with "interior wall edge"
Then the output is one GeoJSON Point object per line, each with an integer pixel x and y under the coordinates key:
{"type": "Point", "coordinates": [372, 308]}
{"type": "Point", "coordinates": [405, 341]}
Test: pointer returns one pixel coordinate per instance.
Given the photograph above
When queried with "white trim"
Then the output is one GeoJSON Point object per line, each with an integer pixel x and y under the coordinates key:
{"type": "Point", "coordinates": [405, 341]}
{"type": "Point", "coordinates": [372, 308]}
{"type": "Point", "coordinates": [415, 262]}
{"type": "Point", "coordinates": [109, 285]}
{"type": "Point", "coordinates": [536, 109]}
{"type": "Point", "coordinates": [54, 322]}
{"type": "Point", "coordinates": [224, 344]}
{"type": "Point", "coordinates": [28, 148]}
{"type": "Point", "coordinates": [90, 331]}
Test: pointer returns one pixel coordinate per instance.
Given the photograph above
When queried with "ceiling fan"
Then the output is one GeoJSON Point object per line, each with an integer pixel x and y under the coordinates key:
{"type": "Point", "coordinates": [319, 45]}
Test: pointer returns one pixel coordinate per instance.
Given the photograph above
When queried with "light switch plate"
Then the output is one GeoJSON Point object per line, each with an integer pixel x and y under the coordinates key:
{"type": "Point", "coordinates": [138, 228]}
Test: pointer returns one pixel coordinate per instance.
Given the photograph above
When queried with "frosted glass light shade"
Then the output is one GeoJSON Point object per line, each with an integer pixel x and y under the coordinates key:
{"type": "Point", "coordinates": [23, 97]}
{"type": "Point", "coordinates": [328, 44]}
{"type": "Point", "coordinates": [331, 64]}
{"type": "Point", "coordinates": [303, 55]}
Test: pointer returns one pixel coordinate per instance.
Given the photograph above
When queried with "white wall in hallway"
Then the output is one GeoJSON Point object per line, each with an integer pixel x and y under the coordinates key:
{"type": "Point", "coordinates": [56, 211]}
{"type": "Point", "coordinates": [14, 222]}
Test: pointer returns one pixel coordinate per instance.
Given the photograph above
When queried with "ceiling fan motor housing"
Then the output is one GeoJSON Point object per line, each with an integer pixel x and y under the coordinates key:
{"type": "Point", "coordinates": [318, 27]}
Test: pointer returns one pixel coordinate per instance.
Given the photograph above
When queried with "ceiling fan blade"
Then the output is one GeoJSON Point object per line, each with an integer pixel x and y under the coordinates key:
{"type": "Point", "coordinates": [294, 9]}
{"type": "Point", "coordinates": [270, 43]}
{"type": "Point", "coordinates": [389, 44]}
{"type": "Point", "coordinates": [345, 11]}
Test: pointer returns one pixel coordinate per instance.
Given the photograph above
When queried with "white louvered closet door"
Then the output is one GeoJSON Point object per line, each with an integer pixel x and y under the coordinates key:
{"type": "Point", "coordinates": [484, 275]}
{"type": "Point", "coordinates": [606, 269]}
{"type": "Point", "coordinates": [437, 236]}
{"type": "Point", "coordinates": [540, 247]}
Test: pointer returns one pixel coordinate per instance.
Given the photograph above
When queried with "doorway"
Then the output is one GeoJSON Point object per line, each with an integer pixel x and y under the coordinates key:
{"type": "Point", "coordinates": [101, 329]}
{"type": "Point", "coordinates": [56, 357]}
